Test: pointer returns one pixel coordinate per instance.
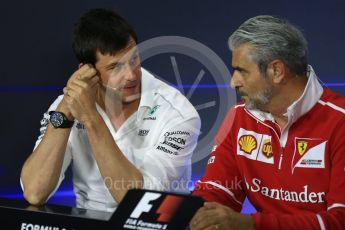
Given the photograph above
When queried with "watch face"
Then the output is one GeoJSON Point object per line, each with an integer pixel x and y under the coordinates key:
{"type": "Point", "coordinates": [56, 119]}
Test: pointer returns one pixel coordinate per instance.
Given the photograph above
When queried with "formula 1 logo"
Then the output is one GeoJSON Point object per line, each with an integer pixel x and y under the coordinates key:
{"type": "Point", "coordinates": [166, 210]}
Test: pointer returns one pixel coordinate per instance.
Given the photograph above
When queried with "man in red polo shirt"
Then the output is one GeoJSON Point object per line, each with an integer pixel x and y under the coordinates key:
{"type": "Point", "coordinates": [284, 147]}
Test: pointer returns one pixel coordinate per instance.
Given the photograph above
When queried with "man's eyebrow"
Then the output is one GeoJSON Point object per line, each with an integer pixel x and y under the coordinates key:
{"type": "Point", "coordinates": [111, 65]}
{"type": "Point", "coordinates": [240, 69]}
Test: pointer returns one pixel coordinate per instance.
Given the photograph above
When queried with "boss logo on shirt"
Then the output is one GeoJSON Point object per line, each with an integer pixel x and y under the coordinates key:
{"type": "Point", "coordinates": [143, 132]}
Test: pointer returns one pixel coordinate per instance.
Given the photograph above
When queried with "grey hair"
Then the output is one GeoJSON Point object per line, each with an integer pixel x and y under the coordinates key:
{"type": "Point", "coordinates": [272, 38]}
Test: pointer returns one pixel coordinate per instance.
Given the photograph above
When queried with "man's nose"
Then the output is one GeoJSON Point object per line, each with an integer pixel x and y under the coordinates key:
{"type": "Point", "coordinates": [130, 73]}
{"type": "Point", "coordinates": [235, 80]}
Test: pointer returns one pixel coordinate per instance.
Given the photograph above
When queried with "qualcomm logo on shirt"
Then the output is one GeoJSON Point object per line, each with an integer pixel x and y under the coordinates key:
{"type": "Point", "coordinates": [255, 146]}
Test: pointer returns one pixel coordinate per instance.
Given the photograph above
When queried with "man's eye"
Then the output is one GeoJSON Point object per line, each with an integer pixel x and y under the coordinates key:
{"type": "Point", "coordinates": [134, 60]}
{"type": "Point", "coordinates": [115, 68]}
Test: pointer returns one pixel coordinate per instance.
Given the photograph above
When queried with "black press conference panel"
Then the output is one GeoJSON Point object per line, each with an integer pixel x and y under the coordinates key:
{"type": "Point", "coordinates": [140, 209]}
{"type": "Point", "coordinates": [18, 214]}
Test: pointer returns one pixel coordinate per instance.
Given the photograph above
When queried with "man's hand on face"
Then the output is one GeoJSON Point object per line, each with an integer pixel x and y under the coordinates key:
{"type": "Point", "coordinates": [80, 93]}
{"type": "Point", "coordinates": [216, 216]}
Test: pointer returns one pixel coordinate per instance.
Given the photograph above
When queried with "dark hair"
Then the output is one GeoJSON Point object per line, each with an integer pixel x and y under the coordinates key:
{"type": "Point", "coordinates": [100, 30]}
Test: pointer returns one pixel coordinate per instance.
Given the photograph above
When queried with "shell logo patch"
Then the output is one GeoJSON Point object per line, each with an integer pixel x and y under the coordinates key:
{"type": "Point", "coordinates": [247, 143]}
{"type": "Point", "coordinates": [255, 146]}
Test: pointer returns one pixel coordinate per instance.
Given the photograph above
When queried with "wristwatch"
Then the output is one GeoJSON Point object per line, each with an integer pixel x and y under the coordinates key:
{"type": "Point", "coordinates": [59, 120]}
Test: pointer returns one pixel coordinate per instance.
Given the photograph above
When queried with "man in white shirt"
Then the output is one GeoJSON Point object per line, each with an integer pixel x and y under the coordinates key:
{"type": "Point", "coordinates": [121, 127]}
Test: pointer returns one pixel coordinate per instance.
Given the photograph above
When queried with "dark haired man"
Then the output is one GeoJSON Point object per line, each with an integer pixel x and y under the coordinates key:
{"type": "Point", "coordinates": [121, 127]}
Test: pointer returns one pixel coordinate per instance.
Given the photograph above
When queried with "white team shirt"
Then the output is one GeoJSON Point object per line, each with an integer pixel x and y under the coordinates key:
{"type": "Point", "coordinates": [159, 139]}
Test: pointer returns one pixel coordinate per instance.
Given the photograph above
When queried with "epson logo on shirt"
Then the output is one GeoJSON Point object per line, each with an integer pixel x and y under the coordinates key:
{"type": "Point", "coordinates": [175, 139]}
{"type": "Point", "coordinates": [28, 226]}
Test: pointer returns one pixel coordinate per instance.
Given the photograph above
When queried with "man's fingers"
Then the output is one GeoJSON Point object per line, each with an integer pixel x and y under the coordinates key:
{"type": "Point", "coordinates": [94, 81]}
{"type": "Point", "coordinates": [211, 205]}
{"type": "Point", "coordinates": [79, 83]}
{"type": "Point", "coordinates": [207, 223]}
{"type": "Point", "coordinates": [65, 89]}
{"type": "Point", "coordinates": [85, 84]}
{"type": "Point", "coordinates": [84, 72]}
{"type": "Point", "coordinates": [212, 227]}
{"type": "Point", "coordinates": [88, 74]}
{"type": "Point", "coordinates": [203, 218]}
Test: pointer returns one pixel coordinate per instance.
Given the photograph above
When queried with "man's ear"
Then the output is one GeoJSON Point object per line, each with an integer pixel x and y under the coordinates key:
{"type": "Point", "coordinates": [80, 65]}
{"type": "Point", "coordinates": [277, 70]}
